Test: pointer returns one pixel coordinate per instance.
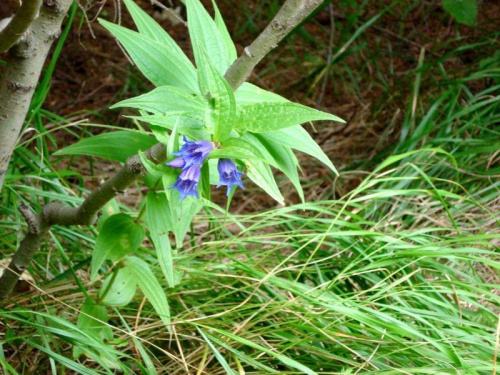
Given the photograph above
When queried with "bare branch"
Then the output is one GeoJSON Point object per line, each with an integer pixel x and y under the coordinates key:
{"type": "Point", "coordinates": [30, 218]}
{"type": "Point", "coordinates": [291, 14]}
{"type": "Point", "coordinates": [15, 29]}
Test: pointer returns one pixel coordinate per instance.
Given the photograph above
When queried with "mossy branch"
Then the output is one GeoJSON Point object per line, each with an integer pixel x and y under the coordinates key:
{"type": "Point", "coordinates": [290, 15]}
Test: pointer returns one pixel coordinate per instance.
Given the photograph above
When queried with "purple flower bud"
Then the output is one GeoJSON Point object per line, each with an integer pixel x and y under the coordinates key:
{"type": "Point", "coordinates": [229, 175]}
{"type": "Point", "coordinates": [187, 182]}
{"type": "Point", "coordinates": [194, 152]}
{"type": "Point", "coordinates": [177, 163]}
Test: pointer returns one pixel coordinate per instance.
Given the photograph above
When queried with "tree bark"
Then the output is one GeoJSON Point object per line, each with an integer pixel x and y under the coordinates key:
{"type": "Point", "coordinates": [291, 14]}
{"type": "Point", "coordinates": [19, 24]}
{"type": "Point", "coordinates": [24, 64]}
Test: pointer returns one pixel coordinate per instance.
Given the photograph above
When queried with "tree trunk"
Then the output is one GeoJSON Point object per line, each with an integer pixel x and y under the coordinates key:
{"type": "Point", "coordinates": [24, 65]}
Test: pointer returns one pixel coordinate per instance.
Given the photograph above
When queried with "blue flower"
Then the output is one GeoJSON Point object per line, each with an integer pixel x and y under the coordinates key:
{"type": "Point", "coordinates": [190, 158]}
{"type": "Point", "coordinates": [177, 163]}
{"type": "Point", "coordinates": [229, 175]}
{"type": "Point", "coordinates": [187, 183]}
{"type": "Point", "coordinates": [192, 153]}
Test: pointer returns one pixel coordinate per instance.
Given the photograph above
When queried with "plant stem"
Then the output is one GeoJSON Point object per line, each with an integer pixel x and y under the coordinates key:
{"type": "Point", "coordinates": [110, 284]}
{"type": "Point", "coordinates": [290, 15]}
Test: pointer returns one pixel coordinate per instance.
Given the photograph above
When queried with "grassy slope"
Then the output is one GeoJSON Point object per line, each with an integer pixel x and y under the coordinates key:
{"type": "Point", "coordinates": [398, 275]}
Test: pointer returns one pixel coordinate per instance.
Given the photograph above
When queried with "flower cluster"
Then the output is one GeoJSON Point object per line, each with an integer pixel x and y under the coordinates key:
{"type": "Point", "coordinates": [190, 158]}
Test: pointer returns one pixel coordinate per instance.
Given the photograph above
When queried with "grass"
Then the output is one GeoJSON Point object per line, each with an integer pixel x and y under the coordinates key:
{"type": "Point", "coordinates": [395, 272]}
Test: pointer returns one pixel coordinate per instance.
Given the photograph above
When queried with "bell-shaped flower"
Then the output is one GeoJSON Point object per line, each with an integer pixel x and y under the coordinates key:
{"type": "Point", "coordinates": [229, 175]}
{"type": "Point", "coordinates": [187, 182]}
{"type": "Point", "coordinates": [192, 152]}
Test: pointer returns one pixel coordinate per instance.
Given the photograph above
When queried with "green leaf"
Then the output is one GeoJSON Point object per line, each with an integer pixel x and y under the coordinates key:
{"type": "Point", "coordinates": [160, 133]}
{"type": "Point", "coordinates": [250, 94]}
{"type": "Point", "coordinates": [260, 173]}
{"type": "Point", "coordinates": [119, 236]}
{"type": "Point", "coordinates": [159, 217]}
{"type": "Point", "coordinates": [182, 213]}
{"type": "Point", "coordinates": [186, 126]}
{"type": "Point", "coordinates": [282, 358]}
{"type": "Point", "coordinates": [231, 152]}
{"type": "Point", "coordinates": [116, 146]}
{"type": "Point", "coordinates": [222, 107]}
{"type": "Point", "coordinates": [109, 209]}
{"type": "Point", "coordinates": [206, 36]}
{"type": "Point", "coordinates": [150, 287]}
{"type": "Point", "coordinates": [150, 28]}
{"type": "Point", "coordinates": [226, 38]}
{"type": "Point", "coordinates": [218, 355]}
{"type": "Point", "coordinates": [298, 138]}
{"type": "Point", "coordinates": [464, 11]}
{"type": "Point", "coordinates": [154, 171]}
{"type": "Point", "coordinates": [241, 355]}
{"type": "Point", "coordinates": [167, 100]}
{"type": "Point", "coordinates": [238, 148]}
{"type": "Point", "coordinates": [173, 143]}
{"type": "Point", "coordinates": [283, 158]}
{"type": "Point", "coordinates": [269, 116]}
{"type": "Point", "coordinates": [206, 192]}
{"type": "Point", "coordinates": [153, 60]}
{"type": "Point", "coordinates": [121, 291]}
{"type": "Point", "coordinates": [185, 214]}
{"type": "Point", "coordinates": [63, 360]}
{"type": "Point", "coordinates": [92, 320]}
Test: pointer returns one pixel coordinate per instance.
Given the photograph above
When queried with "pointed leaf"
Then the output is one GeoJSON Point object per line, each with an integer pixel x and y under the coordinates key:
{"type": "Point", "coordinates": [206, 36]}
{"type": "Point", "coordinates": [221, 99]}
{"type": "Point", "coordinates": [116, 146]}
{"type": "Point", "coordinates": [150, 28]}
{"type": "Point", "coordinates": [261, 174]}
{"type": "Point", "coordinates": [226, 38]}
{"type": "Point", "coordinates": [298, 138]}
{"type": "Point", "coordinates": [187, 126]}
{"type": "Point", "coordinates": [166, 100]}
{"type": "Point", "coordinates": [220, 358]}
{"type": "Point", "coordinates": [184, 214]}
{"type": "Point", "coordinates": [159, 224]}
{"type": "Point", "coordinates": [153, 60]}
{"type": "Point", "coordinates": [250, 94]}
{"type": "Point", "coordinates": [150, 287]}
{"type": "Point", "coordinates": [269, 116]}
{"type": "Point", "coordinates": [284, 159]}
{"type": "Point", "coordinates": [284, 359]}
